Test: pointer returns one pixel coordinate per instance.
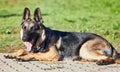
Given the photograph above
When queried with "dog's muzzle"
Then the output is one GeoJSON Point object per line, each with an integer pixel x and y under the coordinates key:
{"type": "Point", "coordinates": [28, 41]}
{"type": "Point", "coordinates": [26, 37]}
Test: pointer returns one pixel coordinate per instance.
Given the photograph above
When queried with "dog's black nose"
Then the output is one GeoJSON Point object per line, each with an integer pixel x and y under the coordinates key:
{"type": "Point", "coordinates": [25, 38]}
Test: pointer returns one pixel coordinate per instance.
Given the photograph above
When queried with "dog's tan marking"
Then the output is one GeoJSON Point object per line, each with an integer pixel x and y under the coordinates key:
{"type": "Point", "coordinates": [43, 35]}
{"type": "Point", "coordinates": [21, 33]}
{"type": "Point", "coordinates": [58, 44]}
{"type": "Point", "coordinates": [19, 53]}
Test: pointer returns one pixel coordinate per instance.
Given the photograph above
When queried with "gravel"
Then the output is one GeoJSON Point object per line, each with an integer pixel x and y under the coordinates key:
{"type": "Point", "coordinates": [11, 65]}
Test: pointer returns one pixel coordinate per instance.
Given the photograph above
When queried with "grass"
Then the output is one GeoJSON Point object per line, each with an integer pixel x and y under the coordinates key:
{"type": "Point", "coordinates": [95, 16]}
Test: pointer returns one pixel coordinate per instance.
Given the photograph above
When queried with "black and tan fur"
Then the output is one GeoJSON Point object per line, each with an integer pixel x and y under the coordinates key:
{"type": "Point", "coordinates": [54, 45]}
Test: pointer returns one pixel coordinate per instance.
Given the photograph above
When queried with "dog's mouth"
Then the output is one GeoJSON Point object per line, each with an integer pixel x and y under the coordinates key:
{"type": "Point", "coordinates": [29, 45]}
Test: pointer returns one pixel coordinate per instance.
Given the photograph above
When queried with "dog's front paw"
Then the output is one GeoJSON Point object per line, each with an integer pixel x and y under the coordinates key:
{"type": "Point", "coordinates": [19, 59]}
{"type": "Point", "coordinates": [8, 57]}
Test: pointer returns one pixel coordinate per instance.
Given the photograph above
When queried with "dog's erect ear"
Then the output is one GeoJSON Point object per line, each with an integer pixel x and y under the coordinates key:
{"type": "Point", "coordinates": [37, 15]}
{"type": "Point", "coordinates": [26, 14]}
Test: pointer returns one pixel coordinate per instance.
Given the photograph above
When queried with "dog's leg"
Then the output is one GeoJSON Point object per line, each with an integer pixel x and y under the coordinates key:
{"type": "Point", "coordinates": [51, 55]}
{"type": "Point", "coordinates": [27, 57]}
{"type": "Point", "coordinates": [97, 50]}
{"type": "Point", "coordinates": [16, 54]}
{"type": "Point", "coordinates": [105, 61]}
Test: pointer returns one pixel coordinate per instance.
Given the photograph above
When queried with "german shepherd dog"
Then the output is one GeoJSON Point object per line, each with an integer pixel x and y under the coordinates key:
{"type": "Point", "coordinates": [44, 44]}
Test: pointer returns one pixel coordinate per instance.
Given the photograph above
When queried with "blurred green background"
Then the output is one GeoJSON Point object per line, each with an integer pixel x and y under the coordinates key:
{"type": "Point", "coordinates": [96, 16]}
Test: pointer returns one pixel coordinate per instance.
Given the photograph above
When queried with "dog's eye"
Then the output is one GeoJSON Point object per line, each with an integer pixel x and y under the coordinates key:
{"type": "Point", "coordinates": [32, 28]}
{"type": "Point", "coordinates": [24, 27]}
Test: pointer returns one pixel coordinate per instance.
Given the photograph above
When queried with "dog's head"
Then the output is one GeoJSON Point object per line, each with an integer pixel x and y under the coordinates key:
{"type": "Point", "coordinates": [32, 29]}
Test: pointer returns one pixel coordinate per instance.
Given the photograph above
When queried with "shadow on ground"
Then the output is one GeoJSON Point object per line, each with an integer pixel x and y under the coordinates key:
{"type": "Point", "coordinates": [11, 15]}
